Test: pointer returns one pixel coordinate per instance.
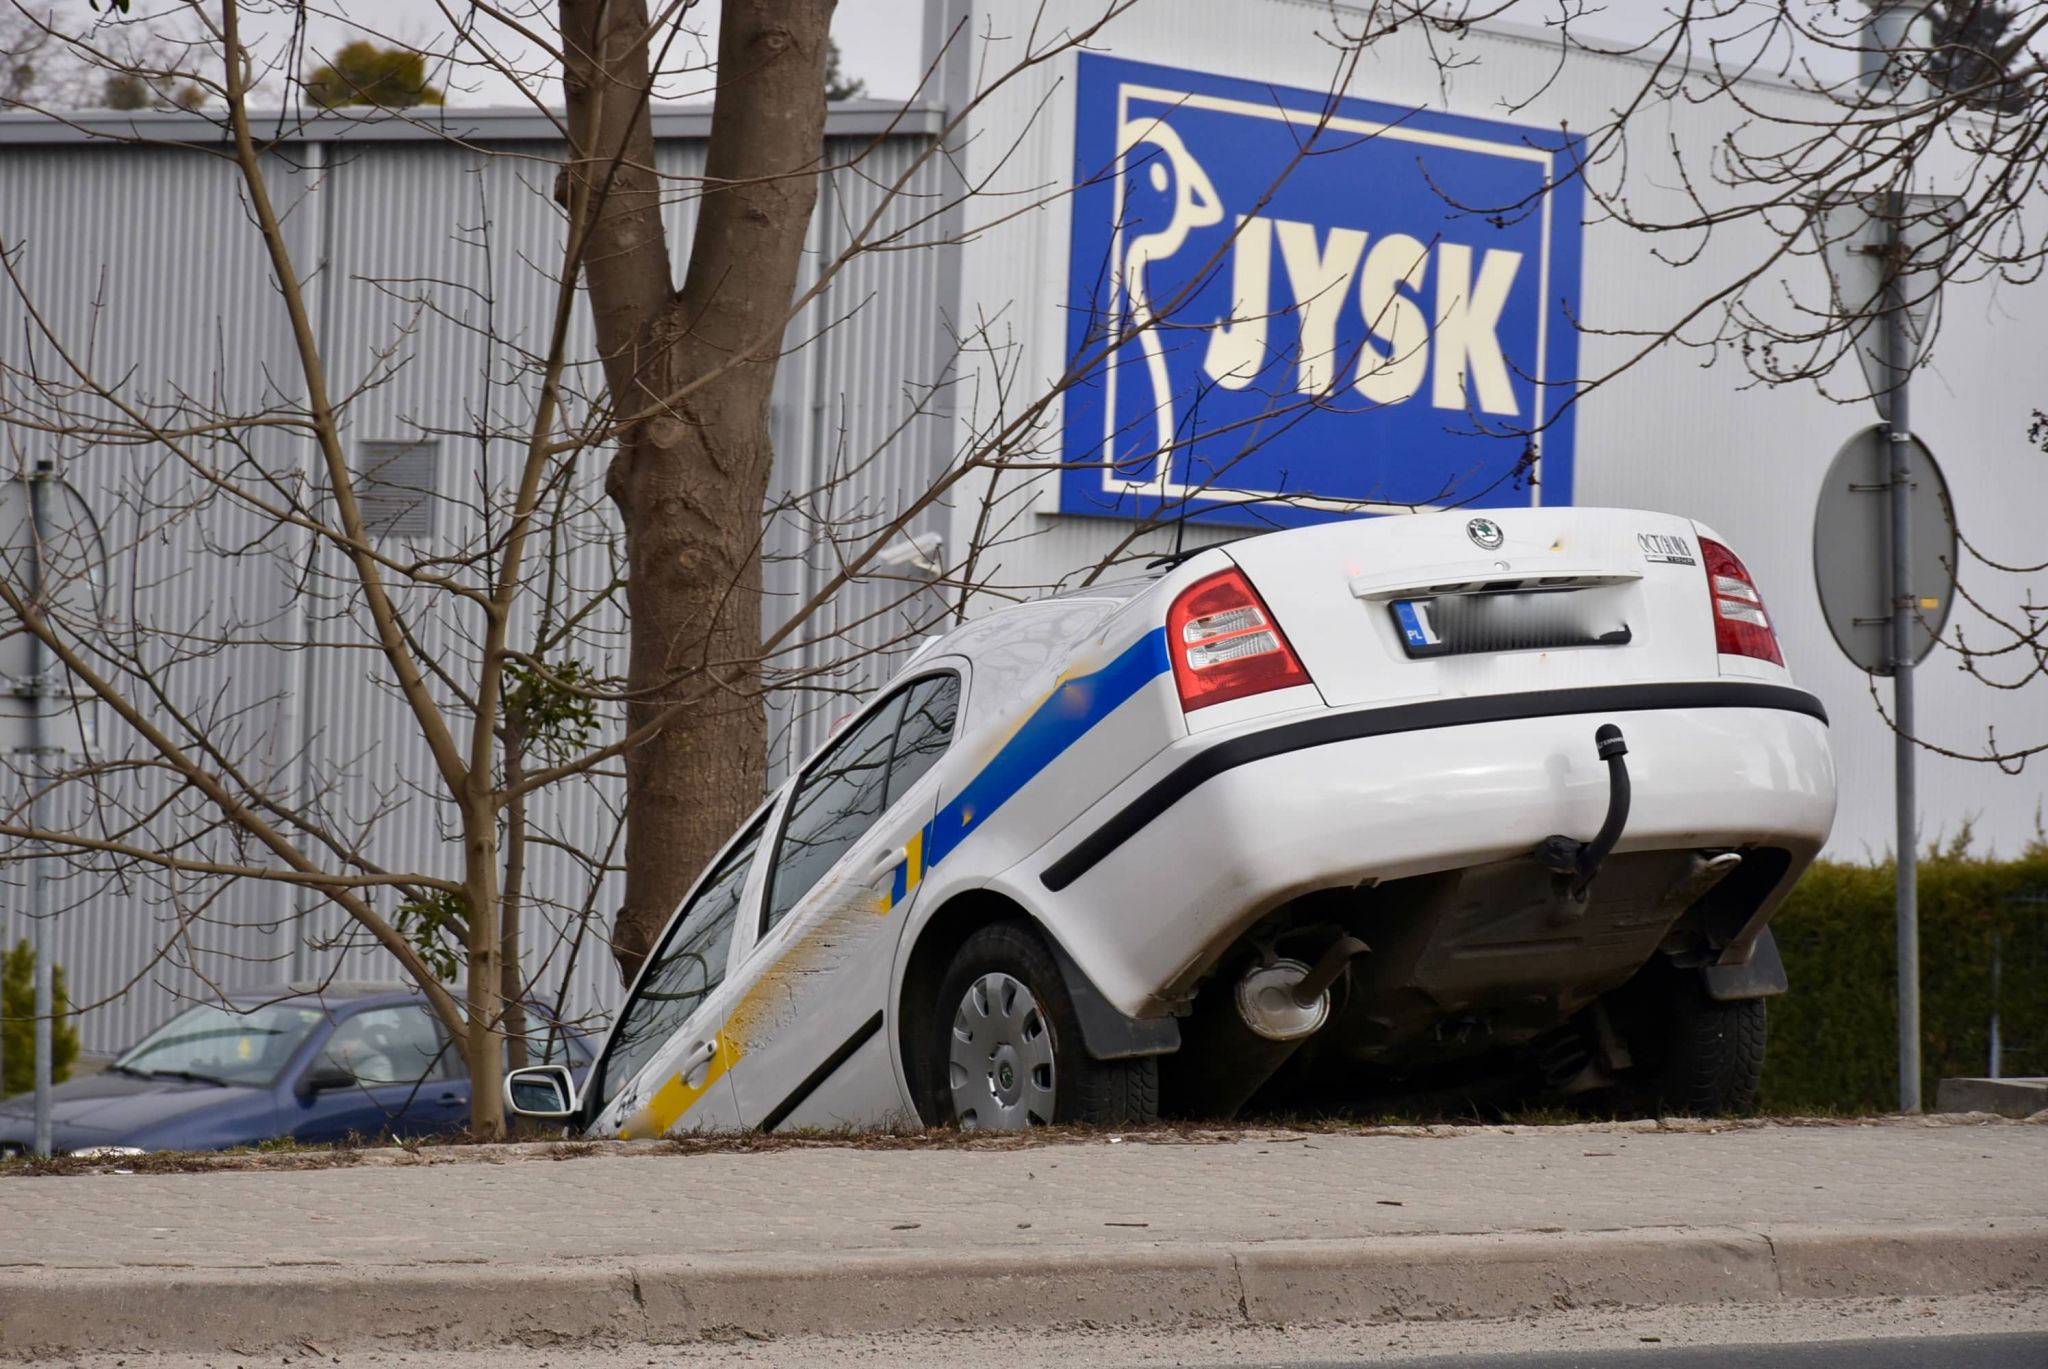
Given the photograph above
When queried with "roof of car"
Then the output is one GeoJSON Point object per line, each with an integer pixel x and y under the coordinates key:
{"type": "Point", "coordinates": [328, 990]}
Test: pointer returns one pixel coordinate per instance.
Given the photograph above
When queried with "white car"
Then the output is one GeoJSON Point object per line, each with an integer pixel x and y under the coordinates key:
{"type": "Point", "coordinates": [1319, 812]}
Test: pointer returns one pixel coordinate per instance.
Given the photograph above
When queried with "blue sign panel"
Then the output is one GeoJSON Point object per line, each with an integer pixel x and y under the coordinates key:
{"type": "Point", "coordinates": [1289, 308]}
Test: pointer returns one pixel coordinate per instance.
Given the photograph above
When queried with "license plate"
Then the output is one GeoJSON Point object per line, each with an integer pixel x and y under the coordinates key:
{"type": "Point", "coordinates": [1477, 624]}
{"type": "Point", "coordinates": [1418, 633]}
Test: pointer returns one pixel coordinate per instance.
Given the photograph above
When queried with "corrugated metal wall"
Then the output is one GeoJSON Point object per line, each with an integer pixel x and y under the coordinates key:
{"type": "Point", "coordinates": [430, 272]}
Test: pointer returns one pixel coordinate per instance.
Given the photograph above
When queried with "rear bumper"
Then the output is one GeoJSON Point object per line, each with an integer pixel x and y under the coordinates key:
{"type": "Point", "coordinates": [1155, 881]}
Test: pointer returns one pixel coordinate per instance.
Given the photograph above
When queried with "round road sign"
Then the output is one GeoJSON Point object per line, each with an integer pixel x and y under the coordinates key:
{"type": "Point", "coordinates": [1852, 548]}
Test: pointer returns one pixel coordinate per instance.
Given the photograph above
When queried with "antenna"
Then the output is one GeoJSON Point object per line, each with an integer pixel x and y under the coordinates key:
{"type": "Point", "coordinates": [1180, 519]}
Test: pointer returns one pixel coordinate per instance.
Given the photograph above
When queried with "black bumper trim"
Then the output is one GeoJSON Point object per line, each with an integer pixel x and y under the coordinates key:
{"type": "Point", "coordinates": [1379, 722]}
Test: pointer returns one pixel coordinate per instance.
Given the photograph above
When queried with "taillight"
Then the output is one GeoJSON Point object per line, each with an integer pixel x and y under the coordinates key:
{"type": "Point", "coordinates": [1225, 643]}
{"type": "Point", "coordinates": [1741, 627]}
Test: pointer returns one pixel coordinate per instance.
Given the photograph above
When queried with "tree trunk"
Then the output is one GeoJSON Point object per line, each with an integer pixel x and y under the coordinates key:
{"type": "Point", "coordinates": [512, 957]}
{"type": "Point", "coordinates": [483, 1051]}
{"type": "Point", "coordinates": [691, 474]}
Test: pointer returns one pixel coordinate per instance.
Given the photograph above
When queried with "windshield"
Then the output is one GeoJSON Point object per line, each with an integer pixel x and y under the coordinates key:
{"type": "Point", "coordinates": [231, 1047]}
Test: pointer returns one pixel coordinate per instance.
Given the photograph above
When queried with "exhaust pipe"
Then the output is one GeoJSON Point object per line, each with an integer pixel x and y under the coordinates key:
{"type": "Point", "coordinates": [1287, 1000]}
{"type": "Point", "coordinates": [1234, 1043]}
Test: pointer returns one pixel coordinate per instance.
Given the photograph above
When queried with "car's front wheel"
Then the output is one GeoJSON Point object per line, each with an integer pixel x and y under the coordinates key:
{"type": "Point", "coordinates": [1005, 1050]}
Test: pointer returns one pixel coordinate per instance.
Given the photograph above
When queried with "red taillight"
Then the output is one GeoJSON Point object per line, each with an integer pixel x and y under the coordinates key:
{"type": "Point", "coordinates": [1741, 627]}
{"type": "Point", "coordinates": [1225, 643]}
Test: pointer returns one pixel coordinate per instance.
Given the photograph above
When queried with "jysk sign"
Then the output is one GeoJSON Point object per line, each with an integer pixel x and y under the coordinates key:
{"type": "Point", "coordinates": [1295, 317]}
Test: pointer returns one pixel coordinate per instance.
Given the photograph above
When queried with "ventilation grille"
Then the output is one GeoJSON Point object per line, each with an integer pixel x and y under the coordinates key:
{"type": "Point", "coordinates": [396, 485]}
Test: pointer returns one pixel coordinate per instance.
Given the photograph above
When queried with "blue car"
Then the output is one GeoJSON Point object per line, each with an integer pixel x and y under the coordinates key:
{"type": "Point", "coordinates": [308, 1062]}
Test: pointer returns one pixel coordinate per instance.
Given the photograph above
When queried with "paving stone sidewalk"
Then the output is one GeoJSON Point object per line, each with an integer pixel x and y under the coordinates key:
{"type": "Point", "coordinates": [641, 1244]}
{"type": "Point", "coordinates": [1094, 1196]}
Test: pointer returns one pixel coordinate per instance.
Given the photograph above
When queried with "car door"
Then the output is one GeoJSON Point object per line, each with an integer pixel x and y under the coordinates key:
{"type": "Point", "coordinates": [664, 1066]}
{"type": "Point", "coordinates": [385, 1071]}
{"type": "Point", "coordinates": [848, 862]}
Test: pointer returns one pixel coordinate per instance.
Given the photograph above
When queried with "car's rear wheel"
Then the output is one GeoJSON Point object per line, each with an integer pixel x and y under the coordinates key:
{"type": "Point", "coordinates": [1005, 1050]}
{"type": "Point", "coordinates": [1713, 1054]}
{"type": "Point", "coordinates": [1693, 1055]}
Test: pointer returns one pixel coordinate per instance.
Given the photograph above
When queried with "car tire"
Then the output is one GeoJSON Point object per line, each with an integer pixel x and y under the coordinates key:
{"type": "Point", "coordinates": [1005, 1051]}
{"type": "Point", "coordinates": [1713, 1058]}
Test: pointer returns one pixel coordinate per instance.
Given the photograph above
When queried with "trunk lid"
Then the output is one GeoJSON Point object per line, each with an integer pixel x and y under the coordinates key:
{"type": "Point", "coordinates": [1443, 605]}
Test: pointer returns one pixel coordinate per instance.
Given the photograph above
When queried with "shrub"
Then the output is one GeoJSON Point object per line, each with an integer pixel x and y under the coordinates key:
{"type": "Point", "coordinates": [18, 1027]}
{"type": "Point", "coordinates": [1834, 1036]}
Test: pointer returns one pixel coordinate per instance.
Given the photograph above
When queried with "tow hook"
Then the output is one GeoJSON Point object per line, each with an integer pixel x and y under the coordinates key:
{"type": "Point", "coordinates": [1576, 863]}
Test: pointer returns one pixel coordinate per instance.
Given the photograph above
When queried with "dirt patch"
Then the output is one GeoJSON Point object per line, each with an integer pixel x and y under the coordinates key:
{"type": "Point", "coordinates": [457, 1150]}
{"type": "Point", "coordinates": [184, 1162]}
{"type": "Point", "coordinates": [465, 1151]}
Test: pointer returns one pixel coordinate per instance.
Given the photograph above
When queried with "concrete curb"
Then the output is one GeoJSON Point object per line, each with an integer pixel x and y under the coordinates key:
{"type": "Point", "coordinates": [46, 1311]}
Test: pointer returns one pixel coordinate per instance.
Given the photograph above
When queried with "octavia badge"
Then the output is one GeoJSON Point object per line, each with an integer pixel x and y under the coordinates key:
{"type": "Point", "coordinates": [1485, 532]}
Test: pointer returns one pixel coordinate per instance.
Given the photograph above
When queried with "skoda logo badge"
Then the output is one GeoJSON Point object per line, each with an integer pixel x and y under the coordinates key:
{"type": "Point", "coordinates": [1485, 532]}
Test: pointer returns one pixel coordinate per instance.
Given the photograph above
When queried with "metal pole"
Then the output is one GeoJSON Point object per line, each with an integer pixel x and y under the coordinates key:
{"type": "Point", "coordinates": [1899, 360]}
{"type": "Point", "coordinates": [1997, 1064]}
{"type": "Point", "coordinates": [38, 881]}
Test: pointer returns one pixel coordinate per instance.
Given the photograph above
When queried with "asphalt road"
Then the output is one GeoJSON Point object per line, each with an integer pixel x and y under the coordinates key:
{"type": "Point", "coordinates": [1984, 1331]}
{"type": "Point", "coordinates": [2023, 1351]}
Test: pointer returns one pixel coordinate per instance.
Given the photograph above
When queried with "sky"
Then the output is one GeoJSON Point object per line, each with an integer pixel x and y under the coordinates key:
{"type": "Point", "coordinates": [880, 41]}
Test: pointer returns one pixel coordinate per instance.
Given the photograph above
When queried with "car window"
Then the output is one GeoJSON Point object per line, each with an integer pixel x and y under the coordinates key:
{"type": "Point", "coordinates": [687, 966]}
{"type": "Point", "coordinates": [925, 733]}
{"type": "Point", "coordinates": [401, 1045]}
{"type": "Point", "coordinates": [834, 804]}
{"type": "Point", "coordinates": [236, 1046]}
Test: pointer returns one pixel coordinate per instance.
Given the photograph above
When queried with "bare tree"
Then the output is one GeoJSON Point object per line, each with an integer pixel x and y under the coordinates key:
{"type": "Point", "coordinates": [609, 510]}
{"type": "Point", "coordinates": [35, 63]}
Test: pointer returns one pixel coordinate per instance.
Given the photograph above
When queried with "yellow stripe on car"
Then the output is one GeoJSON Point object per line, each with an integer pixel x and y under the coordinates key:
{"type": "Point", "coordinates": [675, 1098]}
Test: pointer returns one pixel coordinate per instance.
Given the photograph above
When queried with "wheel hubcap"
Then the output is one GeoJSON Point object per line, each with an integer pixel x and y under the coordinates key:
{"type": "Point", "coordinates": [1000, 1060]}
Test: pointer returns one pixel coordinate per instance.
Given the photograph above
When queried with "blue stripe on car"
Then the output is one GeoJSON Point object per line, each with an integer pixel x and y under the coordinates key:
{"type": "Point", "coordinates": [1066, 715]}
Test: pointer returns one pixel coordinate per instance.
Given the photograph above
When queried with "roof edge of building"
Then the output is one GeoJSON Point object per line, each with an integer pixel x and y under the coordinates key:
{"type": "Point", "coordinates": [439, 123]}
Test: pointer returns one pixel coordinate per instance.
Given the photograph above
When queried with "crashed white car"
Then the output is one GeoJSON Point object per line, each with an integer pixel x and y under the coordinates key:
{"type": "Point", "coordinates": [1317, 814]}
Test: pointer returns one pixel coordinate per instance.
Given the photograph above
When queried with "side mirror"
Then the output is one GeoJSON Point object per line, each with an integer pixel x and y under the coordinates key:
{"type": "Point", "coordinates": [325, 1077]}
{"type": "Point", "coordinates": [544, 1092]}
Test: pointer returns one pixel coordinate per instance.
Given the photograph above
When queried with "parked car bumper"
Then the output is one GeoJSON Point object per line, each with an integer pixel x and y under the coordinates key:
{"type": "Point", "coordinates": [1154, 882]}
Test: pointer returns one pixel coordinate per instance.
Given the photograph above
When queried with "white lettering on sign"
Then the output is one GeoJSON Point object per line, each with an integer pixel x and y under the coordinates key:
{"type": "Point", "coordinates": [1321, 284]}
{"type": "Point", "coordinates": [1400, 339]}
{"type": "Point", "coordinates": [1468, 328]}
{"type": "Point", "coordinates": [1393, 320]}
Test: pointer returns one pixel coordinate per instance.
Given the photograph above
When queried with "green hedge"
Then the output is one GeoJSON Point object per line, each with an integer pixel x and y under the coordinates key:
{"type": "Point", "coordinates": [1834, 1036]}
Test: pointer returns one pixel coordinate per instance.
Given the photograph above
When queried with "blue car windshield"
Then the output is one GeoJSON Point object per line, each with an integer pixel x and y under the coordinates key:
{"type": "Point", "coordinates": [250, 1046]}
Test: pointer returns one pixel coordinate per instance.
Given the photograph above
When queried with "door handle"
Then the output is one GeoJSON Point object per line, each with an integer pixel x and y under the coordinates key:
{"type": "Point", "coordinates": [887, 864]}
{"type": "Point", "coordinates": [701, 1054]}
